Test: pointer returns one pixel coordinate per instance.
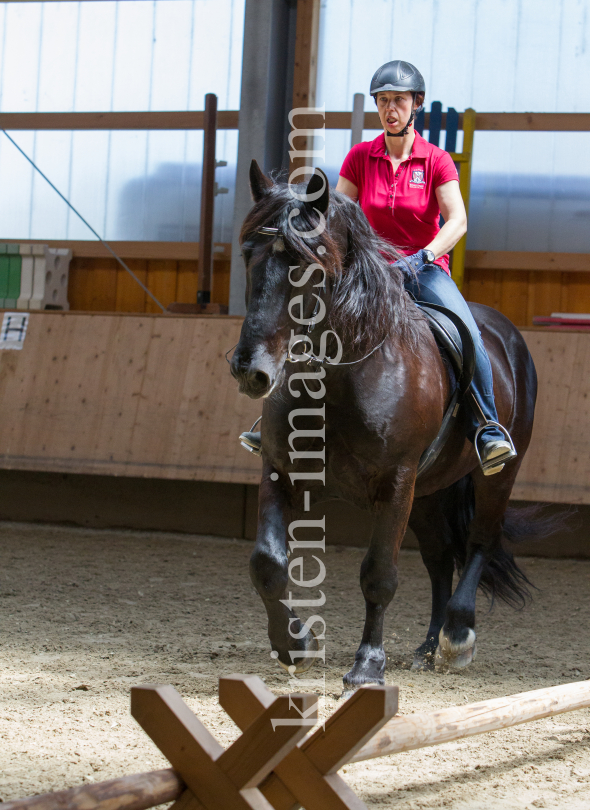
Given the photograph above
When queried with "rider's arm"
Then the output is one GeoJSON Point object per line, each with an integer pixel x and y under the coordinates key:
{"type": "Point", "coordinates": [452, 208]}
{"type": "Point", "coordinates": [348, 188]}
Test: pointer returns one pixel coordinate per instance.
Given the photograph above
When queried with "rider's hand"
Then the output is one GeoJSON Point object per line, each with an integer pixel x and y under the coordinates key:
{"type": "Point", "coordinates": [411, 265]}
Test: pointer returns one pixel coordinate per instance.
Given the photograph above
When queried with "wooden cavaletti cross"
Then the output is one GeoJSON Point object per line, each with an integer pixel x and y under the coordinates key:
{"type": "Point", "coordinates": [264, 769]}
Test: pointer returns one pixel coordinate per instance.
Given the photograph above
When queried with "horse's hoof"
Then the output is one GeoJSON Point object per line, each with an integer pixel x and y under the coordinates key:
{"type": "Point", "coordinates": [456, 655]}
{"type": "Point", "coordinates": [303, 664]}
{"type": "Point", "coordinates": [423, 663]}
{"type": "Point", "coordinates": [368, 667]}
{"type": "Point", "coordinates": [346, 693]}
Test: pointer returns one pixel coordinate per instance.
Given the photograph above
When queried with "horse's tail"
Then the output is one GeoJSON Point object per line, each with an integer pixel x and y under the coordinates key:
{"type": "Point", "coordinates": [502, 577]}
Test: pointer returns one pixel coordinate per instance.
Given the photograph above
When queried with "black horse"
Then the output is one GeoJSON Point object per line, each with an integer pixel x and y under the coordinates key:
{"type": "Point", "coordinates": [380, 412]}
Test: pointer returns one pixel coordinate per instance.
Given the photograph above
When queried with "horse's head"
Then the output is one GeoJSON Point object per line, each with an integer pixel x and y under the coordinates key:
{"type": "Point", "coordinates": [288, 254]}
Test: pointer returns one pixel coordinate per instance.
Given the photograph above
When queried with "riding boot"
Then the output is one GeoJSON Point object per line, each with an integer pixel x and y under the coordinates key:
{"type": "Point", "coordinates": [252, 441]}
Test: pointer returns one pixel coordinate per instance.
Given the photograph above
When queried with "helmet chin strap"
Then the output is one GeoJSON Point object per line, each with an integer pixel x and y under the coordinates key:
{"type": "Point", "coordinates": [410, 119]}
{"type": "Point", "coordinates": [404, 130]}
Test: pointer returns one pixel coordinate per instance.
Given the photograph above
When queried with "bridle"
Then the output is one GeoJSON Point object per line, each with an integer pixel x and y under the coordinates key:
{"type": "Point", "coordinates": [311, 357]}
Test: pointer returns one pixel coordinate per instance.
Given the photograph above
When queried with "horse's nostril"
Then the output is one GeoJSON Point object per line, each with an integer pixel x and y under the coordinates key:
{"type": "Point", "coordinates": [261, 378]}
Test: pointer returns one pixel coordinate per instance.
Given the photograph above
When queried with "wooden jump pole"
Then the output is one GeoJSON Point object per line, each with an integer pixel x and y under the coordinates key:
{"type": "Point", "coordinates": [433, 728]}
{"type": "Point", "coordinates": [137, 792]}
{"type": "Point", "coordinates": [276, 768]}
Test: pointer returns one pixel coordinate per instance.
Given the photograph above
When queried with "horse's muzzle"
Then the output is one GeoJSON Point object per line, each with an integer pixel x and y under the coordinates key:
{"type": "Point", "coordinates": [254, 381]}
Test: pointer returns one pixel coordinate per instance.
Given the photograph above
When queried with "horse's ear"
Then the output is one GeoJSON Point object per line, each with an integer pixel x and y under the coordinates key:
{"type": "Point", "coordinates": [318, 191]}
{"type": "Point", "coordinates": [259, 182]}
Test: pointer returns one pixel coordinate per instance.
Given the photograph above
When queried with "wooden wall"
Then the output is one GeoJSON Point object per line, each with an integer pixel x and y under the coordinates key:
{"type": "Point", "coordinates": [522, 285]}
{"type": "Point", "coordinates": [151, 396]}
{"type": "Point", "coordinates": [98, 283]}
{"type": "Point", "coordinates": [102, 285]}
{"type": "Point", "coordinates": [147, 396]}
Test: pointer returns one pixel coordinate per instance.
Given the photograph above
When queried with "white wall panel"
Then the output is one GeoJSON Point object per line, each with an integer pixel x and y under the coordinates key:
{"type": "Point", "coordinates": [116, 56]}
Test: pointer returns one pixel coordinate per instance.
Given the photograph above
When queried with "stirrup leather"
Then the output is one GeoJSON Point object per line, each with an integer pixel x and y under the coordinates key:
{"type": "Point", "coordinates": [496, 463]}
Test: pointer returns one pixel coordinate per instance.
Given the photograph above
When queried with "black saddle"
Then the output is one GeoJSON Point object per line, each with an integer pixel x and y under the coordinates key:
{"type": "Point", "coordinates": [454, 340]}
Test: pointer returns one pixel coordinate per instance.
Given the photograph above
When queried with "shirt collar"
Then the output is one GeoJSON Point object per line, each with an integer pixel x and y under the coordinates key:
{"type": "Point", "coordinates": [419, 147]}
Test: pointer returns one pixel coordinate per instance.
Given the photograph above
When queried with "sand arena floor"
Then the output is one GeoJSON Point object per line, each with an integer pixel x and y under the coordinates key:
{"type": "Point", "coordinates": [84, 615]}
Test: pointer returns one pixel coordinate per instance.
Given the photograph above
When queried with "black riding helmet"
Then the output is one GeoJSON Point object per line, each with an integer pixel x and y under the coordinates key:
{"type": "Point", "coordinates": [399, 75]}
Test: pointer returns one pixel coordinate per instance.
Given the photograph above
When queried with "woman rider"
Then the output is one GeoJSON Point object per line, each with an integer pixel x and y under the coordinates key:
{"type": "Point", "coordinates": [403, 184]}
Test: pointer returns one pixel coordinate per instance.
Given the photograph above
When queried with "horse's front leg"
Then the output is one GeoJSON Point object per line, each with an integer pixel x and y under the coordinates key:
{"type": "Point", "coordinates": [269, 574]}
{"type": "Point", "coordinates": [379, 581]}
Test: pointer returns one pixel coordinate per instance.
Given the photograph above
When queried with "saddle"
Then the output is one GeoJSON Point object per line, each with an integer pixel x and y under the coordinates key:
{"type": "Point", "coordinates": [454, 340]}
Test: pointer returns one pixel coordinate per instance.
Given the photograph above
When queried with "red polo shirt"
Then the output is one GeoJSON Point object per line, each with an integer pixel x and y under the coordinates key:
{"type": "Point", "coordinates": [401, 207]}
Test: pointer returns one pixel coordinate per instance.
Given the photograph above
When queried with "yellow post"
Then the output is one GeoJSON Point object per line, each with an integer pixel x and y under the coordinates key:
{"type": "Point", "coordinates": [465, 187]}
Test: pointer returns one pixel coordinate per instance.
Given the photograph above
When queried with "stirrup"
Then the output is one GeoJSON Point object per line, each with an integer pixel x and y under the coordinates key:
{"type": "Point", "coordinates": [251, 440]}
{"type": "Point", "coordinates": [495, 464]}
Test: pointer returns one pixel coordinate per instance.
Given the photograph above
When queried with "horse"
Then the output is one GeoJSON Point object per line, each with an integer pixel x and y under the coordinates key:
{"type": "Point", "coordinates": [310, 253]}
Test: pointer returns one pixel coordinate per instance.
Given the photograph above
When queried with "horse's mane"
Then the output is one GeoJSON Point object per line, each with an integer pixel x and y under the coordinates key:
{"type": "Point", "coordinates": [368, 302]}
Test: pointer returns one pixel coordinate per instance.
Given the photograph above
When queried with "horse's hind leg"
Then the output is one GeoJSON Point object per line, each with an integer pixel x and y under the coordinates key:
{"type": "Point", "coordinates": [292, 643]}
{"type": "Point", "coordinates": [379, 583]}
{"type": "Point", "coordinates": [483, 554]}
{"type": "Point", "coordinates": [431, 528]}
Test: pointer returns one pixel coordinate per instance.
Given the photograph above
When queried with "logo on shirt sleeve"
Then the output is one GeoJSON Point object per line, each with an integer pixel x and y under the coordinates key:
{"type": "Point", "coordinates": [417, 180]}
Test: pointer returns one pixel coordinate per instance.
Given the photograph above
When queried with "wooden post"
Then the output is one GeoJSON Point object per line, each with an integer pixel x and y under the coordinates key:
{"type": "Point", "coordinates": [307, 775]}
{"type": "Point", "coordinates": [358, 119]}
{"type": "Point", "coordinates": [458, 269]}
{"type": "Point", "coordinates": [207, 200]}
{"type": "Point", "coordinates": [306, 69]}
{"type": "Point", "coordinates": [216, 777]}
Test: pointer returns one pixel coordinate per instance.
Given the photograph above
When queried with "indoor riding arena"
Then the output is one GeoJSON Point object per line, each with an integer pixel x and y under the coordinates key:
{"type": "Point", "coordinates": [380, 606]}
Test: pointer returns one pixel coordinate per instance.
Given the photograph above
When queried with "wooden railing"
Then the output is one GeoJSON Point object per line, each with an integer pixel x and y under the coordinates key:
{"type": "Point", "coordinates": [229, 119]}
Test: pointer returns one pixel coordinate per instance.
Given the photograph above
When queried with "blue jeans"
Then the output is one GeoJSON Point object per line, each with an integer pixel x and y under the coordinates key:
{"type": "Point", "coordinates": [435, 286]}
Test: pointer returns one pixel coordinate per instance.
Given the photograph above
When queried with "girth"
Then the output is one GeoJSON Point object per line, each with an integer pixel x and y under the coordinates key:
{"type": "Point", "coordinates": [454, 339]}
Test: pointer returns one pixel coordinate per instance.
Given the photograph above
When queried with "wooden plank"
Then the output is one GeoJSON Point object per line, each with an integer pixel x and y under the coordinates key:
{"type": "Point", "coordinates": [138, 792]}
{"type": "Point", "coordinates": [133, 250]}
{"type": "Point", "coordinates": [556, 467]}
{"type": "Point", "coordinates": [161, 281]}
{"type": "Point", "coordinates": [307, 776]}
{"type": "Point", "coordinates": [187, 281]}
{"type": "Point", "coordinates": [544, 293]}
{"type": "Point", "coordinates": [514, 293]}
{"type": "Point", "coordinates": [173, 119]}
{"type": "Point", "coordinates": [130, 296]}
{"type": "Point", "coordinates": [92, 285]}
{"type": "Point", "coordinates": [513, 260]}
{"type": "Point", "coordinates": [228, 119]}
{"type": "Point", "coordinates": [576, 293]}
{"type": "Point", "coordinates": [121, 394]}
{"type": "Point", "coordinates": [485, 287]}
{"type": "Point", "coordinates": [533, 122]}
{"type": "Point", "coordinates": [221, 282]}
